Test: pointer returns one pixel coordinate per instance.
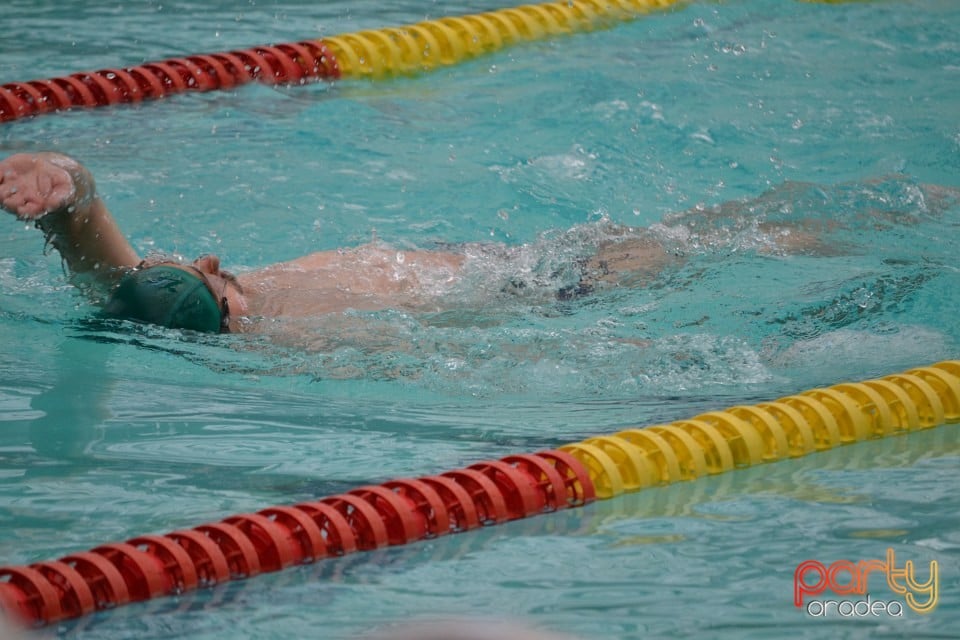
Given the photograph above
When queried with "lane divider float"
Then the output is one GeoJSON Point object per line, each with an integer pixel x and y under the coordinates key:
{"type": "Point", "coordinates": [280, 64]}
{"type": "Point", "coordinates": [372, 53]}
{"type": "Point", "coordinates": [490, 492]}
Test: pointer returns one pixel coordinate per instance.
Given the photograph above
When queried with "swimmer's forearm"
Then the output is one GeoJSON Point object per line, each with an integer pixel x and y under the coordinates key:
{"type": "Point", "coordinates": [89, 240]}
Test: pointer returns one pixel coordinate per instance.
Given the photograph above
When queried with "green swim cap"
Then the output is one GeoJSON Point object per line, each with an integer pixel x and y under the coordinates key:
{"type": "Point", "coordinates": [167, 296]}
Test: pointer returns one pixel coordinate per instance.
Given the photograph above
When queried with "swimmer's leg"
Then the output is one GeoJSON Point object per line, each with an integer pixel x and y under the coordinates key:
{"type": "Point", "coordinates": [633, 261]}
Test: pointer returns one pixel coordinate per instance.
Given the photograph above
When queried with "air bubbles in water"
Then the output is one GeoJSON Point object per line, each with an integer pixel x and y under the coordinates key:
{"type": "Point", "coordinates": [864, 298]}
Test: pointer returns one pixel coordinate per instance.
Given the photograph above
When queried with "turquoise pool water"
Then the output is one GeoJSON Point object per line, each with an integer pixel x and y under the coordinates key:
{"type": "Point", "coordinates": [837, 117]}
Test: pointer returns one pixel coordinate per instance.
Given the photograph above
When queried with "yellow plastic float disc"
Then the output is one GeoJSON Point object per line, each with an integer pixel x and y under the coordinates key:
{"type": "Point", "coordinates": [689, 452]}
{"type": "Point", "coordinates": [657, 450]}
{"type": "Point", "coordinates": [800, 438]}
{"type": "Point", "coordinates": [636, 471]}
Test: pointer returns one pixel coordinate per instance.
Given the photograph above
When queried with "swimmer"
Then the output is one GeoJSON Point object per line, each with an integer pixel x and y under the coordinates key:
{"type": "Point", "coordinates": [59, 195]}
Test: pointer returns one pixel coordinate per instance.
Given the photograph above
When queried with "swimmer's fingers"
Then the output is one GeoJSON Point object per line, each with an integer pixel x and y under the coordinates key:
{"type": "Point", "coordinates": [13, 197]}
{"type": "Point", "coordinates": [56, 189]}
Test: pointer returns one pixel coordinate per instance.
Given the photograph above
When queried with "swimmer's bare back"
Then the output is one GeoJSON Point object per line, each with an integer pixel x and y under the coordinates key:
{"type": "Point", "coordinates": [370, 277]}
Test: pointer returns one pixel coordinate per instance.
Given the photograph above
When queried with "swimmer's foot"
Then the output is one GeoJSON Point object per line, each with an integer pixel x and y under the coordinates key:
{"type": "Point", "coordinates": [34, 185]}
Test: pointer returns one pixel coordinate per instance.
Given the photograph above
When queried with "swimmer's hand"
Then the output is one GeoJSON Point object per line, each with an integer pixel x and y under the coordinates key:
{"type": "Point", "coordinates": [33, 185]}
{"type": "Point", "coordinates": [59, 196]}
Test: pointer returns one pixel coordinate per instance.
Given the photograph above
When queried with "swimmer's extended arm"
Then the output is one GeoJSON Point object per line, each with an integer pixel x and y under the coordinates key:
{"type": "Point", "coordinates": [59, 195]}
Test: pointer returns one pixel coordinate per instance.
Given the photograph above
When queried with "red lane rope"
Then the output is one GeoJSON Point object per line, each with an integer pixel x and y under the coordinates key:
{"type": "Point", "coordinates": [241, 546]}
{"type": "Point", "coordinates": [288, 63]}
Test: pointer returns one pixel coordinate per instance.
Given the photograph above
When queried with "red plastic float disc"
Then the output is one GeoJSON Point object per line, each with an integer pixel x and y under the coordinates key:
{"type": "Point", "coordinates": [285, 68]}
{"type": "Point", "coordinates": [194, 77]}
{"type": "Point", "coordinates": [76, 598]}
{"type": "Point", "coordinates": [234, 66]}
{"type": "Point", "coordinates": [142, 572]}
{"type": "Point", "coordinates": [308, 63]}
{"type": "Point", "coordinates": [208, 559]}
{"type": "Point", "coordinates": [105, 580]}
{"type": "Point", "coordinates": [547, 479]}
{"type": "Point", "coordinates": [324, 58]}
{"type": "Point", "coordinates": [517, 486]}
{"type": "Point", "coordinates": [149, 85]}
{"type": "Point", "coordinates": [404, 524]}
{"type": "Point", "coordinates": [36, 96]}
{"type": "Point", "coordinates": [272, 540]}
{"type": "Point", "coordinates": [31, 97]}
{"type": "Point", "coordinates": [484, 493]}
{"type": "Point", "coordinates": [303, 531]}
{"type": "Point", "coordinates": [171, 79]}
{"type": "Point", "coordinates": [255, 66]}
{"type": "Point", "coordinates": [460, 506]}
{"type": "Point", "coordinates": [181, 574]}
{"type": "Point", "coordinates": [338, 535]}
{"type": "Point", "coordinates": [214, 68]}
{"type": "Point", "coordinates": [80, 94]}
{"type": "Point", "coordinates": [425, 501]}
{"type": "Point", "coordinates": [369, 529]}
{"type": "Point", "coordinates": [580, 489]}
{"type": "Point", "coordinates": [39, 601]}
{"type": "Point", "coordinates": [54, 95]}
{"type": "Point", "coordinates": [125, 85]}
{"type": "Point", "coordinates": [237, 548]}
{"type": "Point", "coordinates": [16, 606]}
{"type": "Point", "coordinates": [11, 106]}
{"type": "Point", "coordinates": [105, 92]}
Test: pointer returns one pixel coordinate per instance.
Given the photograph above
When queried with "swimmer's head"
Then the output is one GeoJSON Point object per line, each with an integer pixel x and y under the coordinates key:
{"type": "Point", "coordinates": [170, 296]}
